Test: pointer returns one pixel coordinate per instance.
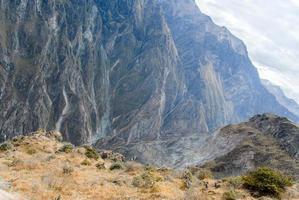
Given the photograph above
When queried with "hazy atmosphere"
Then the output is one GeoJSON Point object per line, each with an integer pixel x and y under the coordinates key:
{"type": "Point", "coordinates": [270, 32]}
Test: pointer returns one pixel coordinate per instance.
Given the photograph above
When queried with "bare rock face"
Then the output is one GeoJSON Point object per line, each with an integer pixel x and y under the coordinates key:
{"type": "Point", "coordinates": [86, 68]}
{"type": "Point", "coordinates": [221, 86]}
{"type": "Point", "coordinates": [290, 104]}
{"type": "Point", "coordinates": [124, 73]}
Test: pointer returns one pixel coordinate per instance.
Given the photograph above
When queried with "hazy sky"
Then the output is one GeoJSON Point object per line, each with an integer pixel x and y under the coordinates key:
{"type": "Point", "coordinates": [270, 30]}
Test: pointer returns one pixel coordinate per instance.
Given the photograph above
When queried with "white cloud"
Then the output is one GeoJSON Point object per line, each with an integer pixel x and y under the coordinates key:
{"type": "Point", "coordinates": [270, 31]}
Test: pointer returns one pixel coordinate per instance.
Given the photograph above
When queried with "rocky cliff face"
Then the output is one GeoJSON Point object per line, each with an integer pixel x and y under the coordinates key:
{"type": "Point", "coordinates": [86, 68]}
{"type": "Point", "coordinates": [280, 96]}
{"type": "Point", "coordinates": [123, 71]}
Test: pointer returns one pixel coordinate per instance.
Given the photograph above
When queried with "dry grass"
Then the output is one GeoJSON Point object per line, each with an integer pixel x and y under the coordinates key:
{"type": "Point", "coordinates": [52, 174]}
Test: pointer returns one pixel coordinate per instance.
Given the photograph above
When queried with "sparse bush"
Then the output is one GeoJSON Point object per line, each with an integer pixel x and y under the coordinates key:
{"type": "Point", "coordinates": [68, 170]}
{"type": "Point", "coordinates": [51, 157]}
{"type": "Point", "coordinates": [230, 195]}
{"type": "Point", "coordinates": [202, 174]}
{"type": "Point", "coordinates": [146, 180]}
{"type": "Point", "coordinates": [150, 168]}
{"type": "Point", "coordinates": [67, 148]}
{"type": "Point", "coordinates": [116, 166]}
{"type": "Point", "coordinates": [31, 151]}
{"type": "Point", "coordinates": [266, 182]}
{"type": "Point", "coordinates": [235, 182]}
{"type": "Point", "coordinates": [91, 153]}
{"type": "Point", "coordinates": [116, 157]}
{"type": "Point", "coordinates": [5, 146]}
{"type": "Point", "coordinates": [132, 167]}
{"type": "Point", "coordinates": [86, 162]}
{"type": "Point", "coordinates": [188, 179]}
{"type": "Point", "coordinates": [100, 166]}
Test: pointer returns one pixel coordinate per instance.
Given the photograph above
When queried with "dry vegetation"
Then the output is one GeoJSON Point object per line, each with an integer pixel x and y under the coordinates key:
{"type": "Point", "coordinates": [40, 167]}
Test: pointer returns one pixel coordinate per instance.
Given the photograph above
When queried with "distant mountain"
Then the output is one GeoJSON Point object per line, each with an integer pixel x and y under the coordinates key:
{"type": "Point", "coordinates": [126, 72]}
{"type": "Point", "coordinates": [290, 104]}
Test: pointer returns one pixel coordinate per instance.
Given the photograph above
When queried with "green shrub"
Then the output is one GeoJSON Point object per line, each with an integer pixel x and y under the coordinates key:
{"type": "Point", "coordinates": [68, 170]}
{"type": "Point", "coordinates": [91, 153]}
{"type": "Point", "coordinates": [67, 148]}
{"type": "Point", "coordinates": [31, 151]}
{"type": "Point", "coordinates": [202, 174]}
{"type": "Point", "coordinates": [116, 166]}
{"type": "Point", "coordinates": [266, 182]}
{"type": "Point", "coordinates": [100, 166]}
{"type": "Point", "coordinates": [5, 146]}
{"type": "Point", "coordinates": [235, 182]}
{"type": "Point", "coordinates": [230, 195]}
{"type": "Point", "coordinates": [145, 180]}
{"type": "Point", "coordinates": [86, 162]}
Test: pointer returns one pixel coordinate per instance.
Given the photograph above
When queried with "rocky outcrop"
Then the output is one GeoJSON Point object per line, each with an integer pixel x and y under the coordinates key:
{"type": "Point", "coordinates": [283, 130]}
{"type": "Point", "coordinates": [127, 72]}
{"type": "Point", "coordinates": [265, 140]}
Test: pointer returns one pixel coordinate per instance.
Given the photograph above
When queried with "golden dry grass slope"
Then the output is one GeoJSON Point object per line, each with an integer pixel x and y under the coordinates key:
{"type": "Point", "coordinates": [40, 167]}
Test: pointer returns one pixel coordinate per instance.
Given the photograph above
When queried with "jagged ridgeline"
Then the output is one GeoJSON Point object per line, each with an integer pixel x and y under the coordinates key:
{"type": "Point", "coordinates": [123, 71]}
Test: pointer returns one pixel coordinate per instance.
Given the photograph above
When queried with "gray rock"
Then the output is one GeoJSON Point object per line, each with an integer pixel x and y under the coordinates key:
{"type": "Point", "coordinates": [144, 77]}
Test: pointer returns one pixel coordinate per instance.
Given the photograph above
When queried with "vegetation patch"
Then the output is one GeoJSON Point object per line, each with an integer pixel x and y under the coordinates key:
{"type": "Point", "coordinates": [188, 179]}
{"type": "Point", "coordinates": [67, 148]}
{"type": "Point", "coordinates": [100, 166]}
{"type": "Point", "coordinates": [91, 153]}
{"type": "Point", "coordinates": [145, 180]}
{"type": "Point", "coordinates": [86, 162]}
{"type": "Point", "coordinates": [267, 182]}
{"type": "Point", "coordinates": [235, 182]}
{"type": "Point", "coordinates": [31, 151]}
{"type": "Point", "coordinates": [230, 195]}
{"type": "Point", "coordinates": [5, 147]}
{"type": "Point", "coordinates": [68, 170]}
{"type": "Point", "coordinates": [116, 166]}
{"type": "Point", "coordinates": [202, 174]}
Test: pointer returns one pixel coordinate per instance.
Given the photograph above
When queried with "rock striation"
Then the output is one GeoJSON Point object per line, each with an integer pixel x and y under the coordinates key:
{"type": "Point", "coordinates": [124, 73]}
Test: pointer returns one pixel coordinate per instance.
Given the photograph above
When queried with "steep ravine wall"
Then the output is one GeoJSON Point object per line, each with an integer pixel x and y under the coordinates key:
{"type": "Point", "coordinates": [123, 71]}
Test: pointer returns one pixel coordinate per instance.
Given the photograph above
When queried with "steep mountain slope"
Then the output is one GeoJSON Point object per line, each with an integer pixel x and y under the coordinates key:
{"type": "Point", "coordinates": [216, 66]}
{"type": "Point", "coordinates": [290, 104]}
{"type": "Point", "coordinates": [86, 68]}
{"type": "Point", "coordinates": [124, 71]}
{"type": "Point", "coordinates": [221, 87]}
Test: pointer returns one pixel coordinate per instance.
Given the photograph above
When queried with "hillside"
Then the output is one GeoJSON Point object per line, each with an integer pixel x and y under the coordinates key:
{"type": "Point", "coordinates": [41, 167]}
